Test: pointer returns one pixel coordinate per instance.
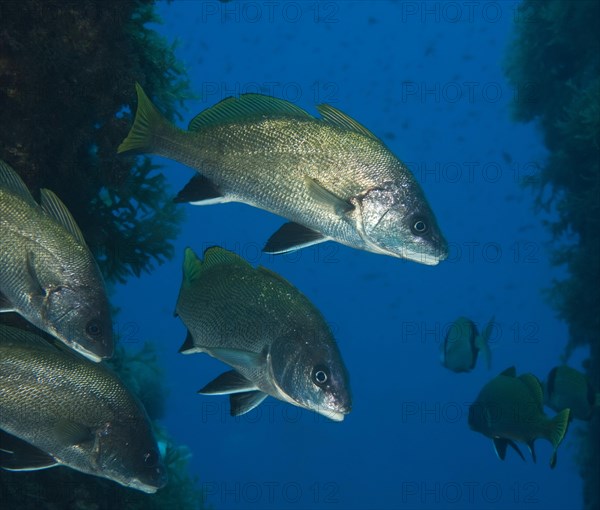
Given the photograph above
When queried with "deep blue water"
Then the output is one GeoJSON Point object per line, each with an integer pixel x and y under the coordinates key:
{"type": "Point", "coordinates": [427, 78]}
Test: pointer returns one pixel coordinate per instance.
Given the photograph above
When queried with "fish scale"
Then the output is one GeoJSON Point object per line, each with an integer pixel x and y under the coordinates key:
{"type": "Point", "coordinates": [77, 412]}
{"type": "Point", "coordinates": [48, 274]}
{"type": "Point", "coordinates": [332, 178]}
{"type": "Point", "coordinates": [265, 329]}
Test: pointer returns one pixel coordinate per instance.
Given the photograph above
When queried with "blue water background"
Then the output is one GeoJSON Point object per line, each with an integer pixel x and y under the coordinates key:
{"type": "Point", "coordinates": [427, 78]}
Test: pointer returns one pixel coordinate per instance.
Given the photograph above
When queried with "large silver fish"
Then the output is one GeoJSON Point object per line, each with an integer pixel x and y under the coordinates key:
{"type": "Point", "coordinates": [47, 273]}
{"type": "Point", "coordinates": [331, 177]}
{"type": "Point", "coordinates": [57, 408]}
{"type": "Point", "coordinates": [275, 339]}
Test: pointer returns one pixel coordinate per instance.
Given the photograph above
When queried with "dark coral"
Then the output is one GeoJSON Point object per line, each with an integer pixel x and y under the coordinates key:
{"type": "Point", "coordinates": [556, 57]}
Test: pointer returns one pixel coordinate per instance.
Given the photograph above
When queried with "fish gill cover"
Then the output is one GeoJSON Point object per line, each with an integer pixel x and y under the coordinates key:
{"type": "Point", "coordinates": [66, 74]}
{"type": "Point", "coordinates": [557, 44]}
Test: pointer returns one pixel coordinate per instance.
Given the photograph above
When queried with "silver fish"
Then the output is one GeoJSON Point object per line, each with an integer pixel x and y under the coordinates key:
{"type": "Point", "coordinates": [331, 177]}
{"type": "Point", "coordinates": [47, 273]}
{"type": "Point", "coordinates": [275, 339]}
{"type": "Point", "coordinates": [57, 408]}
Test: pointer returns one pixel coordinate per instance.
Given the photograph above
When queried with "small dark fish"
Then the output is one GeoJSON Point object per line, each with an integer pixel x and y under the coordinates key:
{"type": "Point", "coordinates": [258, 323]}
{"type": "Point", "coordinates": [331, 177]}
{"type": "Point", "coordinates": [463, 343]}
{"type": "Point", "coordinates": [510, 408]}
{"type": "Point", "coordinates": [57, 408]}
{"type": "Point", "coordinates": [47, 273]}
{"type": "Point", "coordinates": [569, 388]}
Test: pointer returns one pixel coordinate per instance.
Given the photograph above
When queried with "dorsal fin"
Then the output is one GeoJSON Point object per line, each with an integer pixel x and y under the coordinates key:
{"type": "Point", "coordinates": [53, 206]}
{"type": "Point", "coordinates": [11, 180]}
{"type": "Point", "coordinates": [534, 386]}
{"type": "Point", "coordinates": [335, 117]}
{"type": "Point", "coordinates": [213, 256]}
{"type": "Point", "coordinates": [246, 106]}
{"type": "Point", "coordinates": [509, 372]}
{"type": "Point", "coordinates": [192, 266]}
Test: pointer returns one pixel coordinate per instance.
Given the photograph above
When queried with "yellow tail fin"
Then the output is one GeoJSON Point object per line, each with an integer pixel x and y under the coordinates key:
{"type": "Point", "coordinates": [556, 432]}
{"type": "Point", "coordinates": [148, 120]}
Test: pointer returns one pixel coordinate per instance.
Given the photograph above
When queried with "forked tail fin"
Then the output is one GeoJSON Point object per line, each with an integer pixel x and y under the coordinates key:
{"type": "Point", "coordinates": [148, 123]}
{"type": "Point", "coordinates": [556, 432]}
{"type": "Point", "coordinates": [481, 342]}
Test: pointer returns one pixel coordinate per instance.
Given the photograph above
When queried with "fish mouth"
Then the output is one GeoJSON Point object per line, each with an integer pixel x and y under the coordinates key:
{"type": "Point", "coordinates": [84, 352]}
{"type": "Point", "coordinates": [144, 487]}
{"type": "Point", "coordinates": [332, 415]}
{"type": "Point", "coordinates": [422, 257]}
{"type": "Point", "coordinates": [418, 256]}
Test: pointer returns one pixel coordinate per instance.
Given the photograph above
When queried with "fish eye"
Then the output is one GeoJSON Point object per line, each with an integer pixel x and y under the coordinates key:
{"type": "Point", "coordinates": [150, 459]}
{"type": "Point", "coordinates": [93, 328]}
{"type": "Point", "coordinates": [320, 375]}
{"type": "Point", "coordinates": [419, 227]}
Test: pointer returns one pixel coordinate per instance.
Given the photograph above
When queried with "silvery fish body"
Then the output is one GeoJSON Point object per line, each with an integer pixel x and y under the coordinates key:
{"type": "Point", "coordinates": [47, 273]}
{"type": "Point", "coordinates": [57, 408]}
{"type": "Point", "coordinates": [331, 177]}
{"type": "Point", "coordinates": [275, 340]}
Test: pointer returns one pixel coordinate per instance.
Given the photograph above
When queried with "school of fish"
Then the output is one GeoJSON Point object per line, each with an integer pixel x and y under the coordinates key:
{"type": "Point", "coordinates": [332, 180]}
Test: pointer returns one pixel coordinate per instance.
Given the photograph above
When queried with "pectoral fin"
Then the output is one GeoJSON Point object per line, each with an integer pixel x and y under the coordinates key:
{"type": "Point", "coordinates": [326, 198]}
{"type": "Point", "coordinates": [235, 357]}
{"type": "Point", "coordinates": [200, 191]}
{"type": "Point", "coordinates": [292, 236]}
{"type": "Point", "coordinates": [227, 383]}
{"type": "Point", "coordinates": [72, 433]}
{"type": "Point", "coordinates": [242, 403]}
{"type": "Point", "coordinates": [19, 455]}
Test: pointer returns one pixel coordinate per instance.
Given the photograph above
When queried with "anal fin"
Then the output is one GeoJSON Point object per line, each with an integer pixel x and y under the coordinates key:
{"type": "Point", "coordinates": [292, 236]}
{"type": "Point", "coordinates": [500, 446]}
{"type": "Point", "coordinates": [227, 383]}
{"type": "Point", "coordinates": [19, 455]}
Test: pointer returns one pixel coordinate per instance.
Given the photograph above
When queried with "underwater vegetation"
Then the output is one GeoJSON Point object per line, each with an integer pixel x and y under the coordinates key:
{"type": "Point", "coordinates": [67, 71]}
{"type": "Point", "coordinates": [555, 60]}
